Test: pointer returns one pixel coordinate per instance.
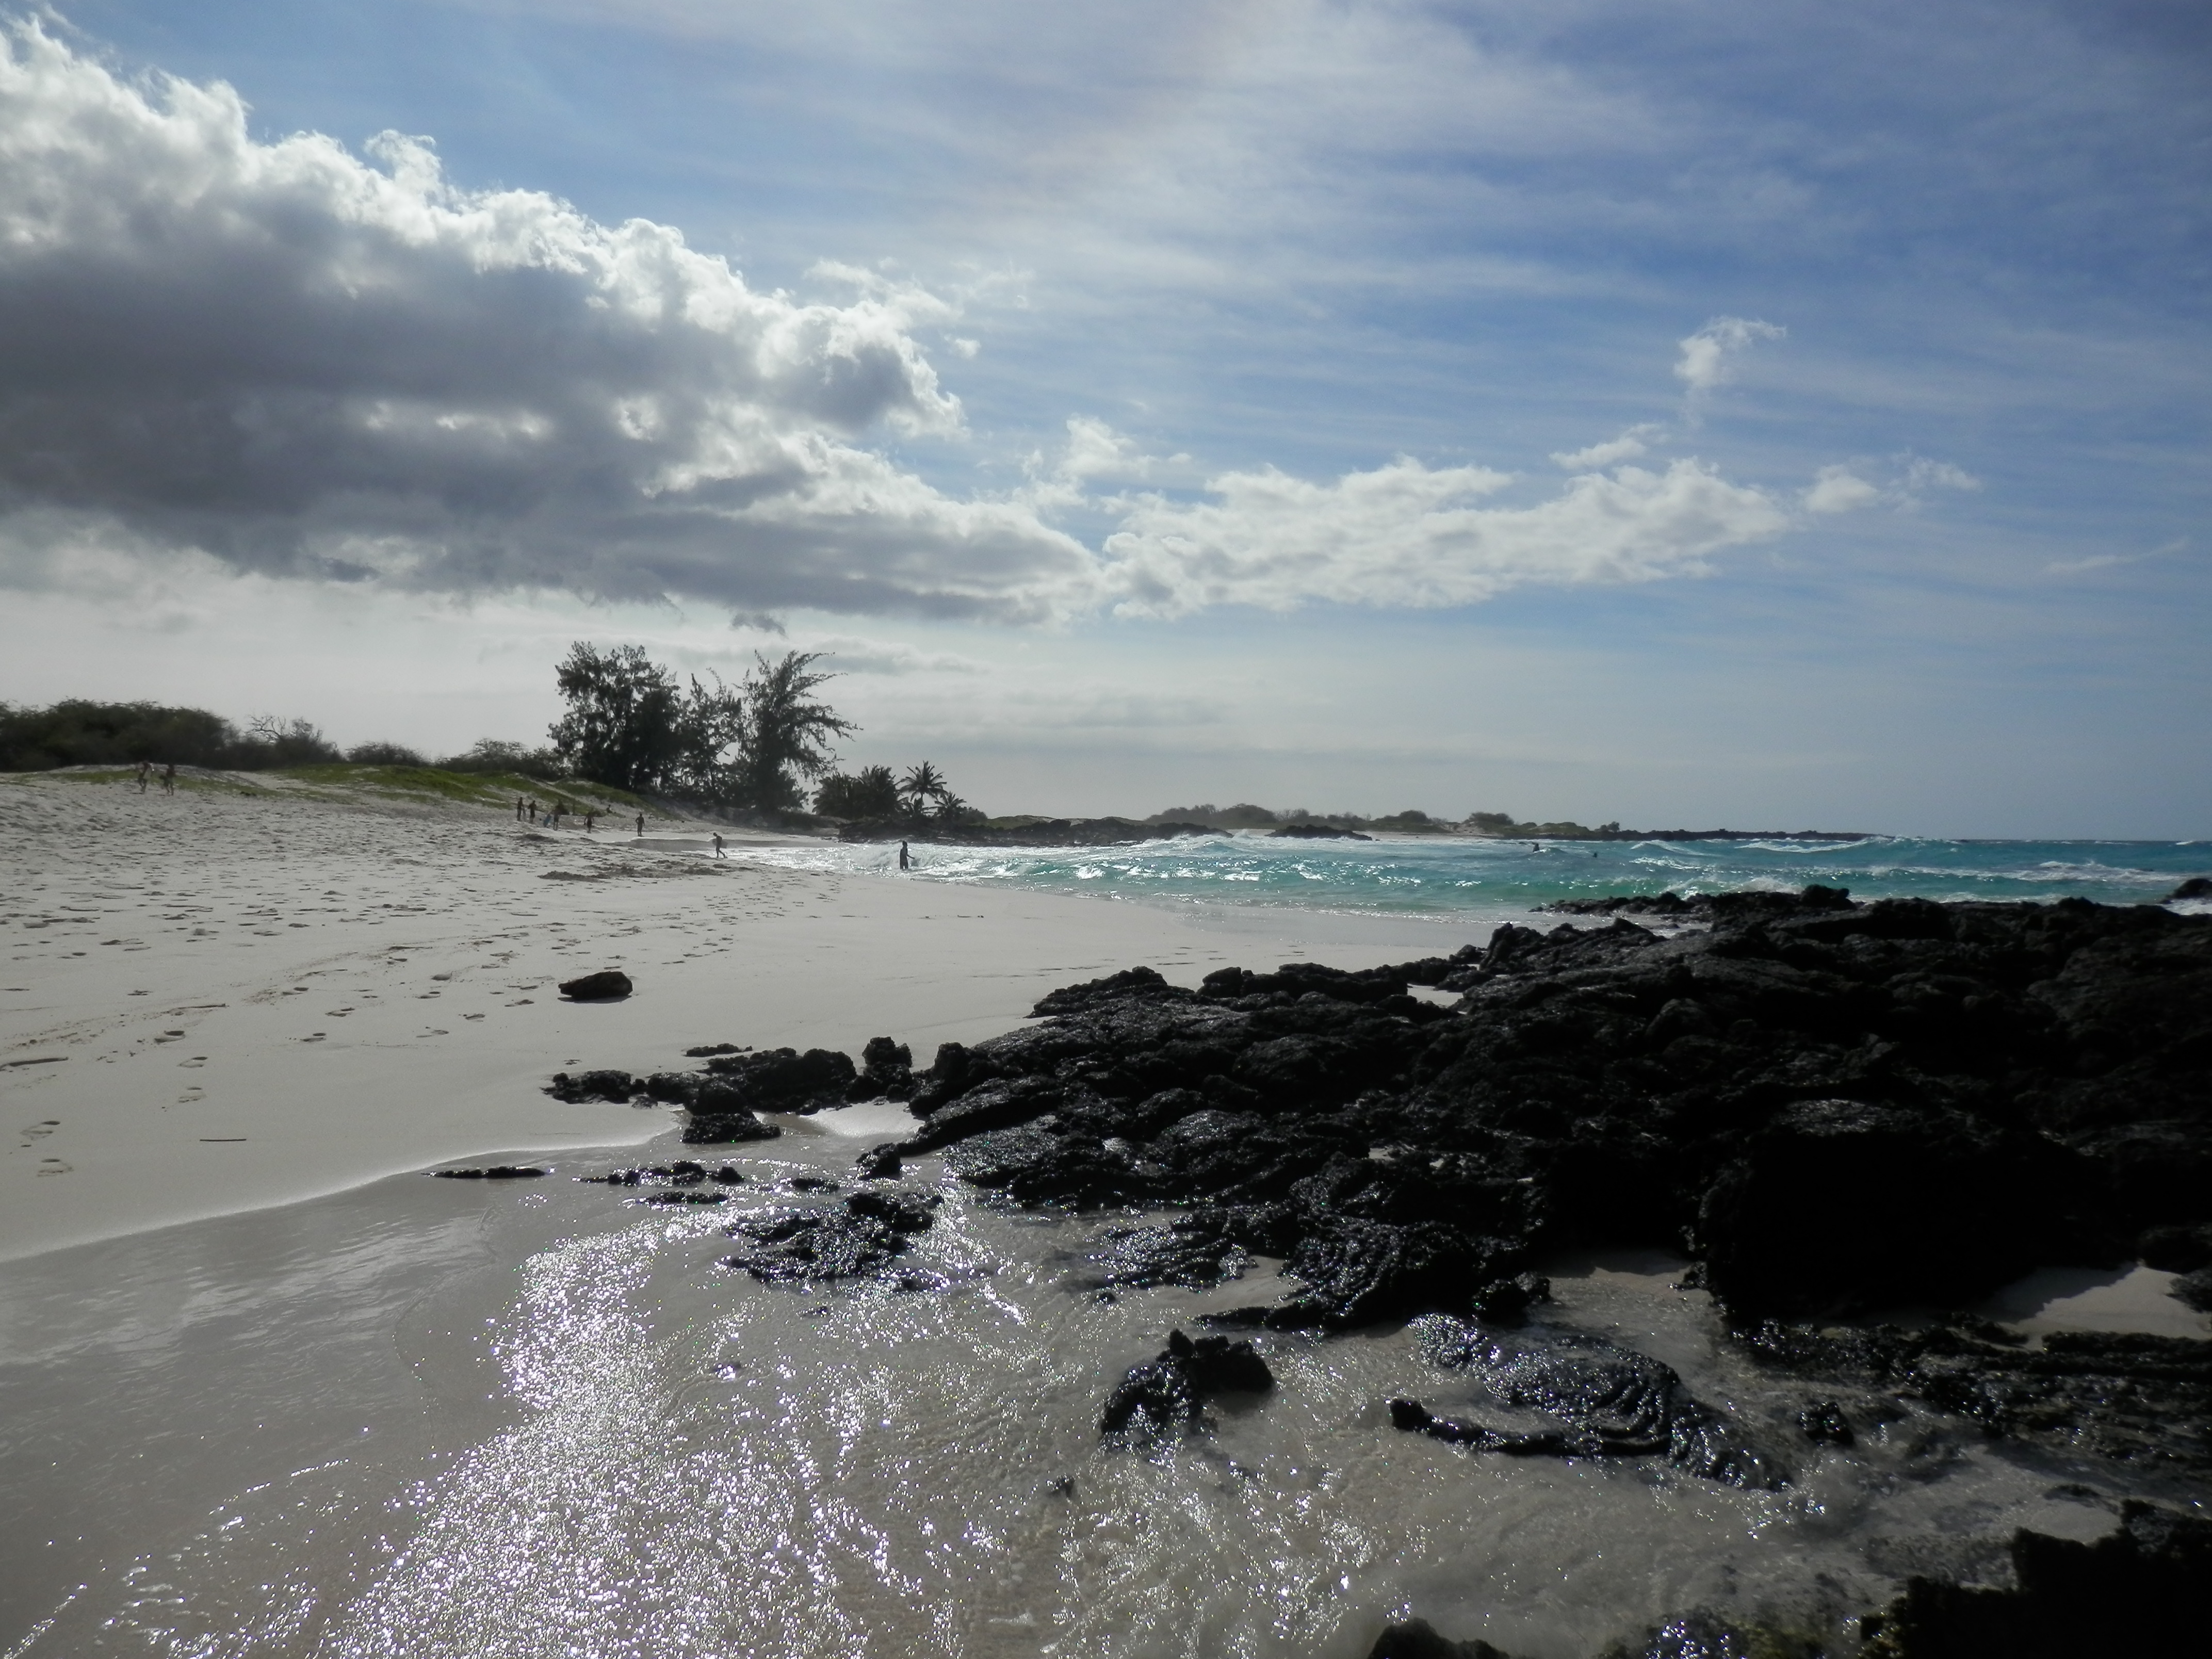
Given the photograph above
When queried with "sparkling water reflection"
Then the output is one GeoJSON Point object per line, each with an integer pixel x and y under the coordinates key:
{"type": "Point", "coordinates": [612, 1448]}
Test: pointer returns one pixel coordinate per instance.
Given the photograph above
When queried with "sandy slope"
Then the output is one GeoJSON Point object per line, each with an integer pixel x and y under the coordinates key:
{"type": "Point", "coordinates": [223, 999]}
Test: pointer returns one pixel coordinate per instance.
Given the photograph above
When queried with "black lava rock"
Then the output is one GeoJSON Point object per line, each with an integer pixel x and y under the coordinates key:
{"type": "Point", "coordinates": [1823, 1423]}
{"type": "Point", "coordinates": [1416, 1638]}
{"type": "Point", "coordinates": [784, 1080]}
{"type": "Point", "coordinates": [2143, 1401]}
{"type": "Point", "coordinates": [608, 985]}
{"type": "Point", "coordinates": [2144, 1590]}
{"type": "Point", "coordinates": [2195, 1289]}
{"type": "Point", "coordinates": [882, 1163]}
{"type": "Point", "coordinates": [723, 1128]}
{"type": "Point", "coordinates": [862, 1238]}
{"type": "Point", "coordinates": [886, 1069]}
{"type": "Point", "coordinates": [1837, 1206]}
{"type": "Point", "coordinates": [593, 1085]}
{"type": "Point", "coordinates": [497, 1172]}
{"type": "Point", "coordinates": [1613, 1401]}
{"type": "Point", "coordinates": [1170, 1391]}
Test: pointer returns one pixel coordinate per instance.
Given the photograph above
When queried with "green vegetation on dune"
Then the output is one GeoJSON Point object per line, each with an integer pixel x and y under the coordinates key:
{"type": "Point", "coordinates": [476, 788]}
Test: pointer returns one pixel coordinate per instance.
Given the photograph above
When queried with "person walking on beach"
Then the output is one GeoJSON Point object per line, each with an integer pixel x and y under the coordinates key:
{"type": "Point", "coordinates": [169, 779]}
{"type": "Point", "coordinates": [518, 808]}
{"type": "Point", "coordinates": [145, 771]}
{"type": "Point", "coordinates": [905, 863]}
{"type": "Point", "coordinates": [719, 852]}
{"type": "Point", "coordinates": [588, 816]}
{"type": "Point", "coordinates": [641, 826]}
{"type": "Point", "coordinates": [533, 811]}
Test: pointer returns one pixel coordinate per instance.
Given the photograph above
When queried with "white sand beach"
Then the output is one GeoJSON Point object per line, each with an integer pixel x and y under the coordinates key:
{"type": "Point", "coordinates": [250, 994]}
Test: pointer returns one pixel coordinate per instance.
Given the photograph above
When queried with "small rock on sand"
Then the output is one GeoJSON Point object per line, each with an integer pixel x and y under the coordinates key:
{"type": "Point", "coordinates": [608, 985]}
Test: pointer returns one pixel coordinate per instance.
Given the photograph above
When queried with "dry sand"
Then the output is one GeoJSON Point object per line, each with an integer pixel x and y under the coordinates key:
{"type": "Point", "coordinates": [235, 998]}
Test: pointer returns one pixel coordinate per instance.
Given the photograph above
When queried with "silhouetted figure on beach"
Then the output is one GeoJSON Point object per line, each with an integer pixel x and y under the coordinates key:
{"type": "Point", "coordinates": [719, 852]}
{"type": "Point", "coordinates": [641, 826]}
{"type": "Point", "coordinates": [518, 808]}
{"type": "Point", "coordinates": [169, 779]}
{"type": "Point", "coordinates": [533, 811]}
{"type": "Point", "coordinates": [588, 816]}
{"type": "Point", "coordinates": [145, 771]}
{"type": "Point", "coordinates": [905, 863]}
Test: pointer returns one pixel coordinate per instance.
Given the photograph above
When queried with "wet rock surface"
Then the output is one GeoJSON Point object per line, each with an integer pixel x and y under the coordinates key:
{"type": "Point", "coordinates": [1170, 1391]}
{"type": "Point", "coordinates": [2144, 1590]}
{"type": "Point", "coordinates": [1611, 1401]}
{"type": "Point", "coordinates": [496, 1172]}
{"type": "Point", "coordinates": [861, 1238]}
{"type": "Point", "coordinates": [2144, 1401]}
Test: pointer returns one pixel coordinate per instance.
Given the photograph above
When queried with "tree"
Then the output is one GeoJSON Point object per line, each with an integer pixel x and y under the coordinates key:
{"type": "Point", "coordinates": [709, 725]}
{"type": "Point", "coordinates": [288, 742]}
{"type": "Point", "coordinates": [871, 793]}
{"type": "Point", "coordinates": [786, 732]}
{"type": "Point", "coordinates": [921, 785]}
{"type": "Point", "coordinates": [621, 727]}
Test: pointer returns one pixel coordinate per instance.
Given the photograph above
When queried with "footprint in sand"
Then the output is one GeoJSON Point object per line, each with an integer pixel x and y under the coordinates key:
{"type": "Point", "coordinates": [53, 1166]}
{"type": "Point", "coordinates": [38, 1132]}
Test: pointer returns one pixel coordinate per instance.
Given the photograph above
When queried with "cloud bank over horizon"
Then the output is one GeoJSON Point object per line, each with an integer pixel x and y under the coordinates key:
{"type": "Point", "coordinates": [311, 365]}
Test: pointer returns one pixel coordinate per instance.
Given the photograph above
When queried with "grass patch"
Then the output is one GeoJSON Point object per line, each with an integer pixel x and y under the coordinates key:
{"type": "Point", "coordinates": [475, 788]}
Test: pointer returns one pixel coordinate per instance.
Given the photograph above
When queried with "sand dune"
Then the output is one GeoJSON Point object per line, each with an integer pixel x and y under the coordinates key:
{"type": "Point", "coordinates": [238, 997]}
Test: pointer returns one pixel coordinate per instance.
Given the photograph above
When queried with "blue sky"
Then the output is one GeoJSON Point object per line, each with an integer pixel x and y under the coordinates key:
{"type": "Point", "coordinates": [1707, 413]}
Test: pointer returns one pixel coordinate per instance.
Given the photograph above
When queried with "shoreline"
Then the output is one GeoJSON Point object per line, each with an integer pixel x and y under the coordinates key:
{"type": "Point", "coordinates": [244, 1001]}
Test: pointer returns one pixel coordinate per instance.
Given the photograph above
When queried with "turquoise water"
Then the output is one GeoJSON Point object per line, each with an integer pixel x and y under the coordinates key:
{"type": "Point", "coordinates": [1421, 875]}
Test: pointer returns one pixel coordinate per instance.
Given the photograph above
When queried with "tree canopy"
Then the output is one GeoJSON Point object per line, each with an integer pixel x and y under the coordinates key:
{"type": "Point", "coordinates": [753, 747]}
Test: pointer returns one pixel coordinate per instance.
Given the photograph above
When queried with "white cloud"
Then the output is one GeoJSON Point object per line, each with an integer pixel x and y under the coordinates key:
{"type": "Point", "coordinates": [2110, 560]}
{"type": "Point", "coordinates": [281, 358]}
{"type": "Point", "coordinates": [1626, 447]}
{"type": "Point", "coordinates": [304, 364]}
{"type": "Point", "coordinates": [1839, 489]}
{"type": "Point", "coordinates": [1406, 535]}
{"type": "Point", "coordinates": [1920, 474]}
{"type": "Point", "coordinates": [1703, 363]}
{"type": "Point", "coordinates": [1844, 489]}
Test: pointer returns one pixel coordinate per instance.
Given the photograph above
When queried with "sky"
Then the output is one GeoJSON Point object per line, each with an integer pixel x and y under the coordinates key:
{"type": "Point", "coordinates": [1778, 415]}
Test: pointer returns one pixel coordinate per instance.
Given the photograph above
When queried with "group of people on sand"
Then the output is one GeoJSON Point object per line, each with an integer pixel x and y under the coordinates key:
{"type": "Point", "coordinates": [168, 777]}
{"type": "Point", "coordinates": [550, 817]}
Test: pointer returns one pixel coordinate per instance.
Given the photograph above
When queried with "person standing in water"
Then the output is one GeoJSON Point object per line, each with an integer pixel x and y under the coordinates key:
{"type": "Point", "coordinates": [588, 816]}
{"type": "Point", "coordinates": [518, 808]}
{"type": "Point", "coordinates": [641, 826]}
{"type": "Point", "coordinates": [905, 863]}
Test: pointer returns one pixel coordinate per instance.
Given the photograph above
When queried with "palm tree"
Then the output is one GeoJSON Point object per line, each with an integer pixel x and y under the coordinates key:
{"type": "Point", "coordinates": [920, 786]}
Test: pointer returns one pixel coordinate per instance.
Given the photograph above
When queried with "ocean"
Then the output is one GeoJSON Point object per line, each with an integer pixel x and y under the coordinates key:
{"type": "Point", "coordinates": [1448, 877]}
